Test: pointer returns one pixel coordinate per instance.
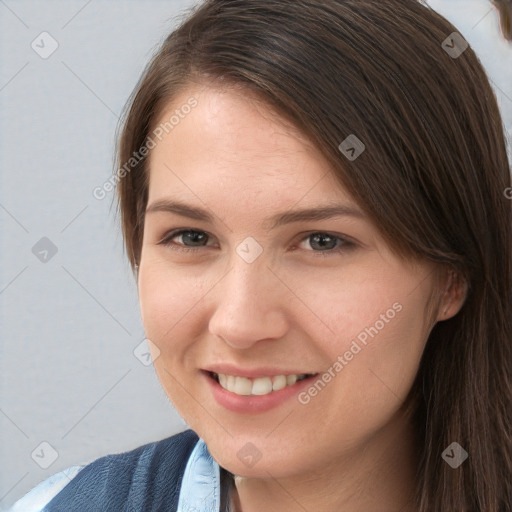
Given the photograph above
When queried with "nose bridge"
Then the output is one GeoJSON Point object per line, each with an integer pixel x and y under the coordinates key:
{"type": "Point", "coordinates": [249, 274]}
{"type": "Point", "coordinates": [249, 303]}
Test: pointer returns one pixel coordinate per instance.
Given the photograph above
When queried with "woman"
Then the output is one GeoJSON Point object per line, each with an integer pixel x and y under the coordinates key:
{"type": "Point", "coordinates": [314, 199]}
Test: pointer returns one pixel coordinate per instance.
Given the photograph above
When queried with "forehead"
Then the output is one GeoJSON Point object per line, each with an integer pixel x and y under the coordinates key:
{"type": "Point", "coordinates": [231, 148]}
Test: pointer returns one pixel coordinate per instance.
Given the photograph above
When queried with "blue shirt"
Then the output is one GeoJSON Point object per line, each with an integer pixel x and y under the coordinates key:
{"type": "Point", "coordinates": [200, 488]}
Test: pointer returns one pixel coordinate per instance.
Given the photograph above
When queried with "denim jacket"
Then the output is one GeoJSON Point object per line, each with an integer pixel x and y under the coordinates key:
{"type": "Point", "coordinates": [177, 474]}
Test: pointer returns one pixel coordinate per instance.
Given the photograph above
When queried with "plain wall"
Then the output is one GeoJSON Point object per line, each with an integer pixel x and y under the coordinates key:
{"type": "Point", "coordinates": [69, 325]}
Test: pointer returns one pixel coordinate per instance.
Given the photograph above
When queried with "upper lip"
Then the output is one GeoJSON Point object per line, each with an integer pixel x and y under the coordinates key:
{"type": "Point", "coordinates": [252, 373]}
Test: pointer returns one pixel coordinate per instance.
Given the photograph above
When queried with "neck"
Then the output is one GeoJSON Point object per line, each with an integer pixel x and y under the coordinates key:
{"type": "Point", "coordinates": [381, 477]}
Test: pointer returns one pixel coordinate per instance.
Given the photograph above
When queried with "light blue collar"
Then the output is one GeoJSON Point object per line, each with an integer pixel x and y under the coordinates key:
{"type": "Point", "coordinates": [200, 487]}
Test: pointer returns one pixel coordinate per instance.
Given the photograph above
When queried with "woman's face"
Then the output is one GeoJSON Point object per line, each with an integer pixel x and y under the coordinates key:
{"type": "Point", "coordinates": [254, 288]}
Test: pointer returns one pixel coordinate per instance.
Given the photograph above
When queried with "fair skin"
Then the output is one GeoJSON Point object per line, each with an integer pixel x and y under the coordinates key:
{"type": "Point", "coordinates": [296, 307]}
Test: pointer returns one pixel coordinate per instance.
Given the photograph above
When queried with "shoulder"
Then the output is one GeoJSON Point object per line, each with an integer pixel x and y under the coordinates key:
{"type": "Point", "coordinates": [41, 494]}
{"type": "Point", "coordinates": [146, 478]}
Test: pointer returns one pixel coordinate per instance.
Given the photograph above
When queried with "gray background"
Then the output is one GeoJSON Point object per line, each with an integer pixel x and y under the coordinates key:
{"type": "Point", "coordinates": [69, 325]}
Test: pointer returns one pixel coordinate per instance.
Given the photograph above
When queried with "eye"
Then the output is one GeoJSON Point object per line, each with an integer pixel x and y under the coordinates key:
{"type": "Point", "coordinates": [325, 244]}
{"type": "Point", "coordinates": [195, 238]}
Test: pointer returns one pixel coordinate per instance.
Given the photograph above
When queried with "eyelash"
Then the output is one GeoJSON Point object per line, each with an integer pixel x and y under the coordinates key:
{"type": "Point", "coordinates": [346, 244]}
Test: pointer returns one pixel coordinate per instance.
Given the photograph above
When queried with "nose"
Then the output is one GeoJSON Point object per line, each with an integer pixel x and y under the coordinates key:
{"type": "Point", "coordinates": [249, 305]}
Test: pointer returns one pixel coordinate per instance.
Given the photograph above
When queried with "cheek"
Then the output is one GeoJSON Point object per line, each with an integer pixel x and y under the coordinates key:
{"type": "Point", "coordinates": [347, 306]}
{"type": "Point", "coordinates": [381, 361]}
{"type": "Point", "coordinates": [167, 303]}
{"type": "Point", "coordinates": [370, 373]}
{"type": "Point", "coordinates": [376, 325]}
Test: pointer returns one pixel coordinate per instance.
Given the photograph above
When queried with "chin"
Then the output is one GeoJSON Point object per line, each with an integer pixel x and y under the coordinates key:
{"type": "Point", "coordinates": [243, 458]}
{"type": "Point", "coordinates": [260, 470]}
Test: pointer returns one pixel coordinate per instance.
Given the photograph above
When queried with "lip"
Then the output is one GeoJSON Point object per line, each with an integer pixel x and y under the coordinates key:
{"type": "Point", "coordinates": [253, 403]}
{"type": "Point", "coordinates": [252, 373]}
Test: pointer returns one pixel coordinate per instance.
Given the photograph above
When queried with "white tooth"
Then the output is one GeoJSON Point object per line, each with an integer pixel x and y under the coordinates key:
{"type": "Point", "coordinates": [291, 379]}
{"type": "Point", "coordinates": [243, 386]}
{"type": "Point", "coordinates": [261, 386]}
{"type": "Point", "coordinates": [279, 383]}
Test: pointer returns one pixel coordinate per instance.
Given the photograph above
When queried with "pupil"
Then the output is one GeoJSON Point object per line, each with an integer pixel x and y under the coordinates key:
{"type": "Point", "coordinates": [322, 238]}
{"type": "Point", "coordinates": [193, 236]}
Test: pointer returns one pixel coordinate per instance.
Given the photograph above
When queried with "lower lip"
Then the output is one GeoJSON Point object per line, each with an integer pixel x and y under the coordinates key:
{"type": "Point", "coordinates": [254, 403]}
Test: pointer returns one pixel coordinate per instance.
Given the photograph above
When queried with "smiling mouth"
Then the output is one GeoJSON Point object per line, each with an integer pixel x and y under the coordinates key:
{"type": "Point", "coordinates": [259, 386]}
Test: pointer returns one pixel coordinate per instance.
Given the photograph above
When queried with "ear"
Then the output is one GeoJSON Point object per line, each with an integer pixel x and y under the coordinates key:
{"type": "Point", "coordinates": [453, 297]}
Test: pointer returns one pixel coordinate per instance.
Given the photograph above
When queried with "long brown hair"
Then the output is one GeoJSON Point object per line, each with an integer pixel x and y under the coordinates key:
{"type": "Point", "coordinates": [433, 177]}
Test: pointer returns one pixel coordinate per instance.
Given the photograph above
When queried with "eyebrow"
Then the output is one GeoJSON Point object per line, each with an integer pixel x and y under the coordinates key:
{"type": "Point", "coordinates": [280, 219]}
